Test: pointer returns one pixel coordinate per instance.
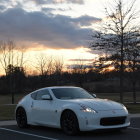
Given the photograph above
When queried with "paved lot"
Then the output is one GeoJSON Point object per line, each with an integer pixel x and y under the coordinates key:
{"type": "Point", "coordinates": [12, 132]}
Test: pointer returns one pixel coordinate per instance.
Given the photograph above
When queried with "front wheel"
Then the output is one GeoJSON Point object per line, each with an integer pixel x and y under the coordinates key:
{"type": "Point", "coordinates": [21, 118]}
{"type": "Point", "coordinates": [69, 123]}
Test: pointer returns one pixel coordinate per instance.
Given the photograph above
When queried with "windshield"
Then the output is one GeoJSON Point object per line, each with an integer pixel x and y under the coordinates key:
{"type": "Point", "coordinates": [71, 93]}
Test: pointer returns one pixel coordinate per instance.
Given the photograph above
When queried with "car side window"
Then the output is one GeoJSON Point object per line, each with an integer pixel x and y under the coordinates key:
{"type": "Point", "coordinates": [33, 95]}
{"type": "Point", "coordinates": [41, 93]}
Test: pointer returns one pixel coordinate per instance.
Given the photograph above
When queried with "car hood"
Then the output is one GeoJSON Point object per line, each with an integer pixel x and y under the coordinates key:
{"type": "Point", "coordinates": [99, 104]}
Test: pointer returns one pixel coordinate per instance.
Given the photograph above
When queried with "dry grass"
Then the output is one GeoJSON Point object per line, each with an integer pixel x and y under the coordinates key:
{"type": "Point", "coordinates": [6, 99]}
{"type": "Point", "coordinates": [133, 108]}
{"type": "Point", "coordinates": [128, 96]}
{"type": "Point", "coordinates": [7, 112]}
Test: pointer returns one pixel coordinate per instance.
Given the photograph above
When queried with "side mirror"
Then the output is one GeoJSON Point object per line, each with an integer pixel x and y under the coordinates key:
{"type": "Point", "coordinates": [94, 95]}
{"type": "Point", "coordinates": [46, 97]}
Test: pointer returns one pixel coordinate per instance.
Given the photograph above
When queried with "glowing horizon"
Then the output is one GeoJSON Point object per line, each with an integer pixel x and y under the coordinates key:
{"type": "Point", "coordinates": [60, 28]}
{"type": "Point", "coordinates": [65, 54]}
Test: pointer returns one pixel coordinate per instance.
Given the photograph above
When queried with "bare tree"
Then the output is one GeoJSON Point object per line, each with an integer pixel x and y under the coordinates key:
{"type": "Point", "coordinates": [79, 66]}
{"type": "Point", "coordinates": [41, 63]}
{"type": "Point", "coordinates": [79, 70]}
{"type": "Point", "coordinates": [133, 59]}
{"type": "Point", "coordinates": [6, 54]}
{"type": "Point", "coordinates": [10, 57]}
{"type": "Point", "coordinates": [44, 64]}
{"type": "Point", "coordinates": [120, 21]}
{"type": "Point", "coordinates": [58, 65]}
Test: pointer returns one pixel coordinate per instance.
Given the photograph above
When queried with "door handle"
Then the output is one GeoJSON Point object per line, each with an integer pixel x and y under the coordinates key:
{"type": "Point", "coordinates": [32, 104]}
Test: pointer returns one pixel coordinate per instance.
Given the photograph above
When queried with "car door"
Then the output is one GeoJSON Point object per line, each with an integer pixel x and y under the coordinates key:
{"type": "Point", "coordinates": [43, 111]}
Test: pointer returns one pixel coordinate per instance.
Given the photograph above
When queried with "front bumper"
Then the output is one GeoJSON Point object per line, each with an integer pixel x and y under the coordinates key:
{"type": "Point", "coordinates": [91, 121]}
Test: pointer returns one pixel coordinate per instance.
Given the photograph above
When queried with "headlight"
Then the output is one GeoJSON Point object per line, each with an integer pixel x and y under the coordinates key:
{"type": "Point", "coordinates": [124, 107]}
{"type": "Point", "coordinates": [87, 109]}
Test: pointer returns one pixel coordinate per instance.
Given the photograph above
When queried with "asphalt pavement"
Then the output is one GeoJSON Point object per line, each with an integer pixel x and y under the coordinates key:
{"type": "Point", "coordinates": [12, 132]}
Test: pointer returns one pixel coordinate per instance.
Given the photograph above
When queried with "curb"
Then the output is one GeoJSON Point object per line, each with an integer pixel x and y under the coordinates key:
{"type": "Point", "coordinates": [134, 115]}
{"type": "Point", "coordinates": [4, 123]}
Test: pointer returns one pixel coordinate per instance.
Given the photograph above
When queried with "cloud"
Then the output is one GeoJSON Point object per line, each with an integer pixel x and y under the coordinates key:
{"type": "Point", "coordinates": [56, 31]}
{"type": "Point", "coordinates": [81, 60]}
{"type": "Point", "coordinates": [41, 2]}
{"type": "Point", "coordinates": [48, 10]}
{"type": "Point", "coordinates": [2, 7]}
{"type": "Point", "coordinates": [76, 66]}
{"type": "Point", "coordinates": [86, 20]}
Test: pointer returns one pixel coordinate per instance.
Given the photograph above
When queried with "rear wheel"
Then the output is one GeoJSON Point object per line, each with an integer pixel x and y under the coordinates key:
{"type": "Point", "coordinates": [69, 123]}
{"type": "Point", "coordinates": [21, 118]}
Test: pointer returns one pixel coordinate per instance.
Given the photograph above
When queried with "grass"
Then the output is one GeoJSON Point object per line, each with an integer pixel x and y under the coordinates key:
{"type": "Point", "coordinates": [7, 111]}
{"type": "Point", "coordinates": [133, 108]}
{"type": "Point", "coordinates": [6, 99]}
{"type": "Point", "coordinates": [128, 96]}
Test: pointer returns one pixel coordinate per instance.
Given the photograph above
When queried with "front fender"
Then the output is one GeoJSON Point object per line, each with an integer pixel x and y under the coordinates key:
{"type": "Point", "coordinates": [73, 107]}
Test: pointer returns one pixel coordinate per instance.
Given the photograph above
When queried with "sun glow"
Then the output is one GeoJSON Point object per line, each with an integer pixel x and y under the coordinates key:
{"type": "Point", "coordinates": [65, 54]}
{"type": "Point", "coordinates": [30, 56]}
{"type": "Point", "coordinates": [110, 68]}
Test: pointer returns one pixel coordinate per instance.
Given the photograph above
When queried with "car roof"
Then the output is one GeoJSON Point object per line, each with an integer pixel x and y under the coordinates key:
{"type": "Point", "coordinates": [54, 87]}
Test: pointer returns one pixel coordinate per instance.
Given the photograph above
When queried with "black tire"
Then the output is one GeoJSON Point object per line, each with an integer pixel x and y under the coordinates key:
{"type": "Point", "coordinates": [69, 123]}
{"type": "Point", "coordinates": [21, 118]}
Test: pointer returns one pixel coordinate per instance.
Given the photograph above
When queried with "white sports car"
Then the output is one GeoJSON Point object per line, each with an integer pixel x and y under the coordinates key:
{"type": "Point", "coordinates": [71, 108]}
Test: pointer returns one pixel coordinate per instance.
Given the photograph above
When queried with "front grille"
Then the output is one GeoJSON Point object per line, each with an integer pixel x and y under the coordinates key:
{"type": "Point", "coordinates": [112, 121]}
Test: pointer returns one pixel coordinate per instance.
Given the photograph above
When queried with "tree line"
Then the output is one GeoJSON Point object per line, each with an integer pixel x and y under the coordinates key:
{"type": "Point", "coordinates": [51, 73]}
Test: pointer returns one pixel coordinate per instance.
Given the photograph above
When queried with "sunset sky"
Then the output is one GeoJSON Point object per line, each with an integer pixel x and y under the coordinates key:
{"type": "Point", "coordinates": [53, 27]}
